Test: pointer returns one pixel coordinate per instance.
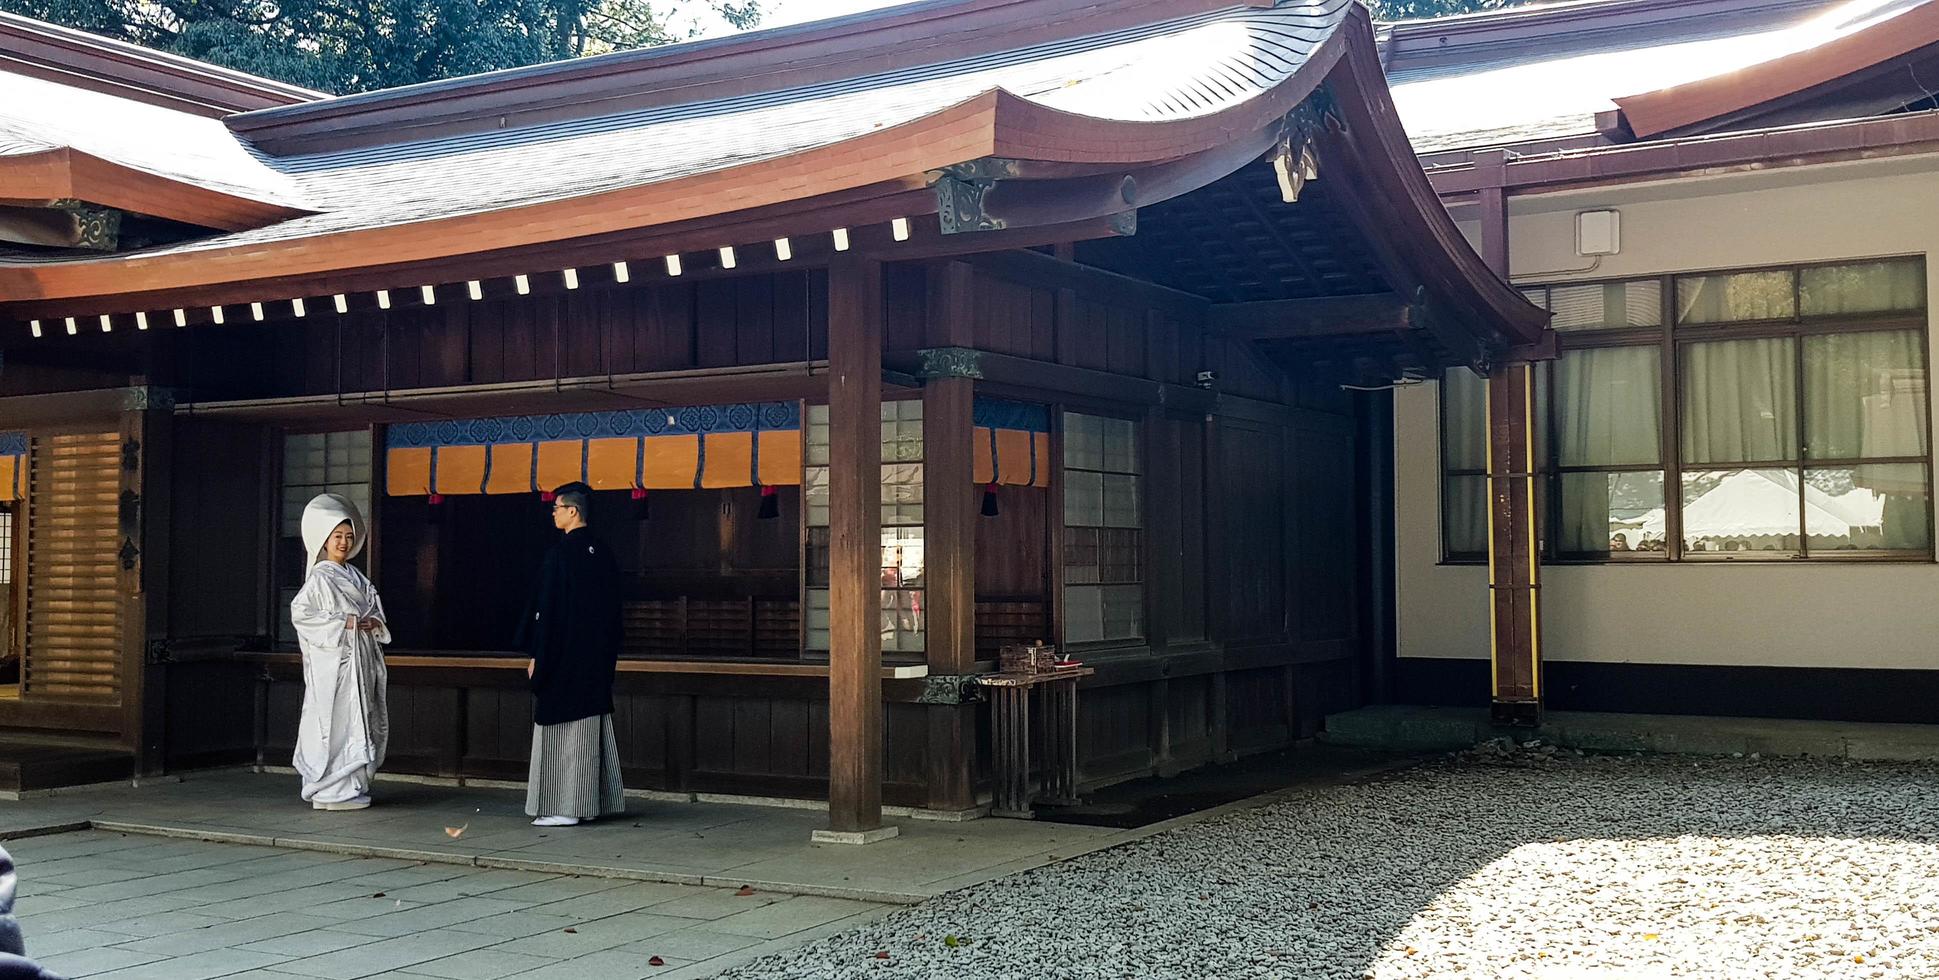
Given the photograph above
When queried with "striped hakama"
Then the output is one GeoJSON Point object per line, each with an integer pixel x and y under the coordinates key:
{"type": "Point", "coordinates": [575, 770]}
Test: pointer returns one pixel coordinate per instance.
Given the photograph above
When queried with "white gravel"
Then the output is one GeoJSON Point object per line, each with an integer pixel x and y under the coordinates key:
{"type": "Point", "coordinates": [1475, 867]}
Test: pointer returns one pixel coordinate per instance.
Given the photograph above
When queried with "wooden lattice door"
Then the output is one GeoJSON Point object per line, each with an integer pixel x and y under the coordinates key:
{"type": "Point", "coordinates": [73, 607]}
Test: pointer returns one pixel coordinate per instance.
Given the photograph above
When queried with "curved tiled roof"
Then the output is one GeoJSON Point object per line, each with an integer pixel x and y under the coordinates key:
{"type": "Point", "coordinates": [1173, 71]}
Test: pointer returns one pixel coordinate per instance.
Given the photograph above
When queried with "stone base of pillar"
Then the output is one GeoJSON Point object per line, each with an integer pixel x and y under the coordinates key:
{"type": "Point", "coordinates": [854, 836]}
{"type": "Point", "coordinates": [1516, 714]}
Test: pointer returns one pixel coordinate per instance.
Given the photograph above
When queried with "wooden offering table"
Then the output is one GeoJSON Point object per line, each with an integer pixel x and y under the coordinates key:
{"type": "Point", "coordinates": [1010, 724]}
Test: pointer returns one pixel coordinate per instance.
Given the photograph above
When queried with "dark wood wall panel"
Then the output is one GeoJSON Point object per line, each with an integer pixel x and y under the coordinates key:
{"type": "Point", "coordinates": [1114, 731]}
{"type": "Point", "coordinates": [216, 550]}
{"type": "Point", "coordinates": [211, 715]}
{"type": "Point", "coordinates": [1253, 503]}
{"type": "Point", "coordinates": [1011, 548]}
{"type": "Point", "coordinates": [1325, 560]}
{"type": "Point", "coordinates": [1257, 708]}
{"type": "Point", "coordinates": [662, 326]}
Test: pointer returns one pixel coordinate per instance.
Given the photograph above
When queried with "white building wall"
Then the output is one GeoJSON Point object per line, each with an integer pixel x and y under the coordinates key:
{"type": "Point", "coordinates": [1803, 614]}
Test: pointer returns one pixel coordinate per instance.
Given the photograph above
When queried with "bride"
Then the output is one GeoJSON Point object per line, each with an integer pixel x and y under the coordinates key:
{"type": "Point", "coordinates": [340, 625]}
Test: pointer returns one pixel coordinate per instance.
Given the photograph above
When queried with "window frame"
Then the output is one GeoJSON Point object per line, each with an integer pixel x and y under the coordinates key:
{"type": "Point", "coordinates": [1061, 527]}
{"type": "Point", "coordinates": [278, 614]}
{"type": "Point", "coordinates": [1671, 339]}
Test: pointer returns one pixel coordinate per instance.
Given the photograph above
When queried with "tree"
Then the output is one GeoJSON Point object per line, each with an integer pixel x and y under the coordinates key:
{"type": "Point", "coordinates": [360, 45]}
{"type": "Point", "coordinates": [1390, 10]}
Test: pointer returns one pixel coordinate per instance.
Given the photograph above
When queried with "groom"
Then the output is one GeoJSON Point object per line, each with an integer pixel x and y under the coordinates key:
{"type": "Point", "coordinates": [573, 636]}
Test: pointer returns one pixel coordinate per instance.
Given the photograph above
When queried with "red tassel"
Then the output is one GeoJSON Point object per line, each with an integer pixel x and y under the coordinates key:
{"type": "Point", "coordinates": [642, 507]}
{"type": "Point", "coordinates": [547, 496]}
{"type": "Point", "coordinates": [989, 501]}
{"type": "Point", "coordinates": [436, 499]}
{"type": "Point", "coordinates": [770, 503]}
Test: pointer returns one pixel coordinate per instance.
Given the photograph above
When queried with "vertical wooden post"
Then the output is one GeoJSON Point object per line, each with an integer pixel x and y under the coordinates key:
{"type": "Point", "coordinates": [949, 539]}
{"type": "Point", "coordinates": [1514, 549]}
{"type": "Point", "coordinates": [855, 552]}
{"type": "Point", "coordinates": [148, 446]}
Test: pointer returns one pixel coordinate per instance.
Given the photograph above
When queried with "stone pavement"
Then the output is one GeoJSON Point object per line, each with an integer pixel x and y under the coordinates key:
{"type": "Point", "coordinates": [716, 844]}
{"type": "Point", "coordinates": [119, 906]}
{"type": "Point", "coordinates": [1413, 728]}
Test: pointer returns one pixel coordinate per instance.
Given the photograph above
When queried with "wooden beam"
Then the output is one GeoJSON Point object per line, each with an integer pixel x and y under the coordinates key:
{"type": "Point", "coordinates": [1312, 319]}
{"type": "Point", "coordinates": [855, 313]}
{"type": "Point", "coordinates": [1514, 527]}
{"type": "Point", "coordinates": [949, 538]}
{"type": "Point", "coordinates": [926, 240]}
{"type": "Point", "coordinates": [89, 228]}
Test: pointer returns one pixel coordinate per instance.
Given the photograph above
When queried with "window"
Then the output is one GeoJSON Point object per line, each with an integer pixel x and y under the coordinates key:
{"type": "Point", "coordinates": [1729, 415]}
{"type": "Point", "coordinates": [903, 618]}
{"type": "Point", "coordinates": [315, 463]}
{"type": "Point", "coordinates": [1103, 530]}
{"type": "Point", "coordinates": [1464, 461]}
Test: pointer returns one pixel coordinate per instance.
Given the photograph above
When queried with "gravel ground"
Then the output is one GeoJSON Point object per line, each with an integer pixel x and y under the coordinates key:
{"type": "Point", "coordinates": [1488, 864]}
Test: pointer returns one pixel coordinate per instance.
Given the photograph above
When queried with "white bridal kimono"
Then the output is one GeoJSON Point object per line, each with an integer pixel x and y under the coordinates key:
{"type": "Point", "coordinates": [346, 722]}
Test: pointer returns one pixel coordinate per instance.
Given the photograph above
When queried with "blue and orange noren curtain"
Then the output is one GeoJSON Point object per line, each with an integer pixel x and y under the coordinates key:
{"type": "Point", "coordinates": [1011, 443]}
{"type": "Point", "coordinates": [702, 446]}
{"type": "Point", "coordinates": [13, 466]}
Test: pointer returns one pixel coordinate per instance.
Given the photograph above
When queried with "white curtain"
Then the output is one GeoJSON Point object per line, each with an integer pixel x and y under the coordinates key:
{"type": "Point", "coordinates": [1739, 401]}
{"type": "Point", "coordinates": [1869, 287]}
{"type": "Point", "coordinates": [1609, 406]}
{"type": "Point", "coordinates": [1464, 395]}
{"type": "Point", "coordinates": [1864, 395]}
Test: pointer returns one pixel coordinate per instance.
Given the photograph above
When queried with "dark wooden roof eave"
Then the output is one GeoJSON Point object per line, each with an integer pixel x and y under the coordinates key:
{"type": "Point", "coordinates": [1403, 219]}
{"type": "Point", "coordinates": [64, 173]}
{"type": "Point", "coordinates": [995, 123]}
{"type": "Point", "coordinates": [1683, 106]}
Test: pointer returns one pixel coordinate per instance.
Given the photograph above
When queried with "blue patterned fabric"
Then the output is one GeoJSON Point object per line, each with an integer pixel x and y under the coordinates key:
{"type": "Point", "coordinates": [691, 420]}
{"type": "Point", "coordinates": [13, 443]}
{"type": "Point", "coordinates": [995, 413]}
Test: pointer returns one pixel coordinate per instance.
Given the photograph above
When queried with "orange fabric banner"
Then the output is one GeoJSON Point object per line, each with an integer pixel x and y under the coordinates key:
{"type": "Point", "coordinates": [612, 464]}
{"type": "Point", "coordinates": [780, 462]}
{"type": "Point", "coordinates": [407, 472]}
{"type": "Point", "coordinates": [560, 463]}
{"type": "Point", "coordinates": [511, 469]}
{"type": "Point", "coordinates": [671, 462]}
{"type": "Point", "coordinates": [460, 469]}
{"type": "Point", "coordinates": [728, 461]}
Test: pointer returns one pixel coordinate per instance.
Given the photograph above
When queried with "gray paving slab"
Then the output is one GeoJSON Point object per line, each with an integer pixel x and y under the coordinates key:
{"type": "Point", "coordinates": [693, 943]}
{"type": "Point", "coordinates": [315, 942]}
{"type": "Point", "coordinates": [513, 925]}
{"type": "Point", "coordinates": [101, 959]}
{"type": "Point", "coordinates": [226, 934]}
{"type": "Point", "coordinates": [435, 915]}
{"type": "Point", "coordinates": [386, 955]}
{"type": "Point", "coordinates": [69, 940]}
{"type": "Point", "coordinates": [789, 917]}
{"type": "Point", "coordinates": [717, 904]}
{"type": "Point", "coordinates": [615, 901]}
{"type": "Point", "coordinates": [198, 966]}
{"type": "Point", "coordinates": [607, 965]}
{"type": "Point", "coordinates": [589, 937]}
{"type": "Point", "coordinates": [481, 964]}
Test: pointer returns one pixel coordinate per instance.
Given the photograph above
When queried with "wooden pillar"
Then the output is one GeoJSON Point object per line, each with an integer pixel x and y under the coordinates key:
{"type": "Point", "coordinates": [1514, 532]}
{"type": "Point", "coordinates": [148, 445]}
{"type": "Point", "coordinates": [855, 552]}
{"type": "Point", "coordinates": [951, 509]}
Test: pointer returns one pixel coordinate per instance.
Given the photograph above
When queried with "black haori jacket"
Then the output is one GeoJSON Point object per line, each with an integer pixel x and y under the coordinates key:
{"type": "Point", "coordinates": [572, 630]}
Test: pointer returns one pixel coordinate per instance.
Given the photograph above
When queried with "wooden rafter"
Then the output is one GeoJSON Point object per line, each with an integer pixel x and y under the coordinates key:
{"type": "Point", "coordinates": [1312, 319]}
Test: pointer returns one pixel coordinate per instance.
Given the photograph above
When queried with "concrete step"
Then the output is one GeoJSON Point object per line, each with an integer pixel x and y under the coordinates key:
{"type": "Point", "coordinates": [1414, 728]}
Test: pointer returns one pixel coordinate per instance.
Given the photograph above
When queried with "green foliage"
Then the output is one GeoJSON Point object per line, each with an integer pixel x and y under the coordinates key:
{"type": "Point", "coordinates": [1389, 10]}
{"type": "Point", "coordinates": [360, 45]}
